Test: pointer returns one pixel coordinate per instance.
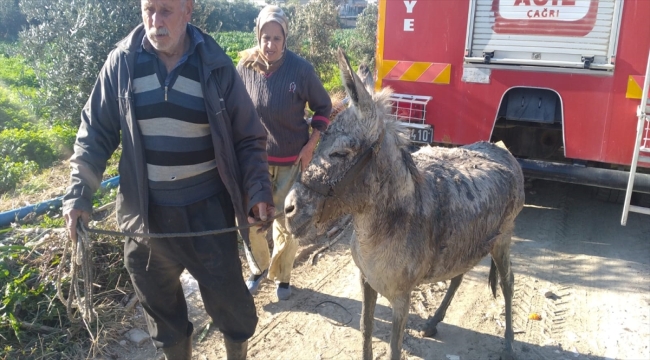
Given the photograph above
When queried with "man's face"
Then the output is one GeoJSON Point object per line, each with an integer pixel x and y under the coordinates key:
{"type": "Point", "coordinates": [165, 22]}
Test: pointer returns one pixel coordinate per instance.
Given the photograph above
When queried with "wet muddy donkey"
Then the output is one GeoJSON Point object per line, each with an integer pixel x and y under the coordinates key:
{"type": "Point", "coordinates": [423, 217]}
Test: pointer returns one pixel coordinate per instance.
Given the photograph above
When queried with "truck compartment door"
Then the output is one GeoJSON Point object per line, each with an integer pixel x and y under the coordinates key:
{"type": "Point", "coordinates": [578, 34]}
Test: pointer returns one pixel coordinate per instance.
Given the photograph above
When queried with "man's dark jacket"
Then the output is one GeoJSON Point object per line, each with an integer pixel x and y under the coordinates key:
{"type": "Point", "coordinates": [237, 134]}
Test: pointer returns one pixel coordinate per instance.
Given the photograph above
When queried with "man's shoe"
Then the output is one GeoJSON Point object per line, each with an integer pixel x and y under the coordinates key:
{"type": "Point", "coordinates": [283, 291]}
{"type": "Point", "coordinates": [254, 281]}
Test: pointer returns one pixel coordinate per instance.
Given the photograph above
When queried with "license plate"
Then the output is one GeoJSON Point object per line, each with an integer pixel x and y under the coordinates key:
{"type": "Point", "coordinates": [421, 135]}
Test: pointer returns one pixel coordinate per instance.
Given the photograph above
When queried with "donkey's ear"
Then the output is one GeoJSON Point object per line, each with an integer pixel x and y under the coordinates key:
{"type": "Point", "coordinates": [354, 87]}
{"type": "Point", "coordinates": [366, 77]}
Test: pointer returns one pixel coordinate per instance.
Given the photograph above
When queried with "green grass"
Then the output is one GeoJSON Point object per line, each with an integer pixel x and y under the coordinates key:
{"type": "Point", "coordinates": [233, 42]}
{"type": "Point", "coordinates": [18, 89]}
{"type": "Point", "coordinates": [342, 38]}
{"type": "Point", "coordinates": [15, 73]}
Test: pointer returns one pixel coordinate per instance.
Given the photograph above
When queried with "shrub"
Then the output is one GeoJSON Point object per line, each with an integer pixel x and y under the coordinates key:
{"type": "Point", "coordinates": [8, 48]}
{"type": "Point", "coordinates": [342, 38]}
{"type": "Point", "coordinates": [235, 41]}
{"type": "Point", "coordinates": [12, 172]}
{"type": "Point", "coordinates": [20, 145]}
{"type": "Point", "coordinates": [62, 136]}
{"type": "Point", "coordinates": [331, 79]}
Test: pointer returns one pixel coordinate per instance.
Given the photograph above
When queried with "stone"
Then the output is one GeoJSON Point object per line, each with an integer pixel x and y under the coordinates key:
{"type": "Point", "coordinates": [137, 336]}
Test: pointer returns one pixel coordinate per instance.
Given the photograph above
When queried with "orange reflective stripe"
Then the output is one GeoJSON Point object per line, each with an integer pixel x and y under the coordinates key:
{"type": "Point", "coordinates": [398, 70]}
{"type": "Point", "coordinates": [414, 71]}
{"type": "Point", "coordinates": [436, 73]}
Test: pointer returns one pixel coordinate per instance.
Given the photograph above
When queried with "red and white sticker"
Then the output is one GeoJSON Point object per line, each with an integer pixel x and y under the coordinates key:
{"type": "Point", "coordinates": [544, 17]}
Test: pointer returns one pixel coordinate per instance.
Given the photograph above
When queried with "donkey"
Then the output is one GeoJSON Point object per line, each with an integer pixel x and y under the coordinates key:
{"type": "Point", "coordinates": [425, 217]}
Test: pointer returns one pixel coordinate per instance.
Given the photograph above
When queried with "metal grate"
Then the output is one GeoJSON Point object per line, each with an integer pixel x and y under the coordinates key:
{"type": "Point", "coordinates": [411, 109]}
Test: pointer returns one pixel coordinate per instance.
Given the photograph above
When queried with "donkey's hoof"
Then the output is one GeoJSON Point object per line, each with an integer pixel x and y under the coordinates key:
{"type": "Point", "coordinates": [429, 330]}
{"type": "Point", "coordinates": [508, 355]}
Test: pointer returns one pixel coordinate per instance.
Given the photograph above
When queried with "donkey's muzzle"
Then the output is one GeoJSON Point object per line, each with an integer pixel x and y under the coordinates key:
{"type": "Point", "coordinates": [298, 210]}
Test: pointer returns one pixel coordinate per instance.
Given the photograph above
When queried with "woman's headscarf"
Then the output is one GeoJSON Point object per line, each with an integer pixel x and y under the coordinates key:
{"type": "Point", "coordinates": [254, 57]}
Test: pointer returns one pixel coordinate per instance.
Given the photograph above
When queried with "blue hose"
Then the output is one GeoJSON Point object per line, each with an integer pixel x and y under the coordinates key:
{"type": "Point", "coordinates": [7, 217]}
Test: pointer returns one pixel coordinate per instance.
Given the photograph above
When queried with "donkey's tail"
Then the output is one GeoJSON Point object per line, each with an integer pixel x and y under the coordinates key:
{"type": "Point", "coordinates": [492, 278]}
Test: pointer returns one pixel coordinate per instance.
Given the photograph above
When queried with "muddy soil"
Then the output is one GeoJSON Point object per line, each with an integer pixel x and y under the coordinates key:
{"type": "Point", "coordinates": [575, 265]}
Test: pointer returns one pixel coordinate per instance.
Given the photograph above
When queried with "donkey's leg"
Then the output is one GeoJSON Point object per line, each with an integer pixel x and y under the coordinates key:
{"type": "Point", "coordinates": [368, 302]}
{"type": "Point", "coordinates": [430, 329]}
{"type": "Point", "coordinates": [501, 258]}
{"type": "Point", "coordinates": [400, 315]}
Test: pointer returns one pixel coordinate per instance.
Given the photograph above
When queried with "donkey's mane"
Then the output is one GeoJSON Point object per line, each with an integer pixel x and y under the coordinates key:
{"type": "Point", "coordinates": [395, 132]}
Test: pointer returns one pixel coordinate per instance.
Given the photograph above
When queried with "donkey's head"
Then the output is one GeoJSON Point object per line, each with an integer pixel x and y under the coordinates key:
{"type": "Point", "coordinates": [340, 176]}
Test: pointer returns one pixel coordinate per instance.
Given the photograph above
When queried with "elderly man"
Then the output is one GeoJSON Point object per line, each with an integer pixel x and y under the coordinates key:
{"type": "Point", "coordinates": [193, 159]}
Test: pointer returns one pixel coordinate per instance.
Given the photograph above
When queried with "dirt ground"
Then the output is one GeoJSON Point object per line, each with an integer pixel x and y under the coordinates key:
{"type": "Point", "coordinates": [566, 242]}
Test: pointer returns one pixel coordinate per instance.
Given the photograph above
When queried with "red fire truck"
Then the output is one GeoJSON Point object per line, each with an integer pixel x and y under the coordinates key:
{"type": "Point", "coordinates": [558, 81]}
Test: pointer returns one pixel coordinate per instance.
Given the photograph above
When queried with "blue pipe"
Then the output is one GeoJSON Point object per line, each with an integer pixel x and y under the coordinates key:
{"type": "Point", "coordinates": [7, 217]}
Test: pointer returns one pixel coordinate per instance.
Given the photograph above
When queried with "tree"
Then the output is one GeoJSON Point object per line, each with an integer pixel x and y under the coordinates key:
{"type": "Point", "coordinates": [216, 15]}
{"type": "Point", "coordinates": [365, 40]}
{"type": "Point", "coordinates": [70, 44]}
{"type": "Point", "coordinates": [311, 30]}
{"type": "Point", "coordinates": [12, 20]}
{"type": "Point", "coordinates": [70, 41]}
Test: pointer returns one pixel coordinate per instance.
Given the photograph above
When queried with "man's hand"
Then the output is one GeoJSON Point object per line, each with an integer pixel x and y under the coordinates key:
{"type": "Point", "coordinates": [262, 212]}
{"type": "Point", "coordinates": [71, 217]}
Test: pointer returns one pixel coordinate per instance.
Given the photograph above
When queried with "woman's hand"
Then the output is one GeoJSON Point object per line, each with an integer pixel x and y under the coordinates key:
{"type": "Point", "coordinates": [305, 155]}
{"type": "Point", "coordinates": [307, 151]}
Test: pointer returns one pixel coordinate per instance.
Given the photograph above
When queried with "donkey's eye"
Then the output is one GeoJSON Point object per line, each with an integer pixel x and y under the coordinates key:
{"type": "Point", "coordinates": [339, 154]}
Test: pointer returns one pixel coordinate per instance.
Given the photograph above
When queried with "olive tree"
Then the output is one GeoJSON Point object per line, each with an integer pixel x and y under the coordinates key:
{"type": "Point", "coordinates": [215, 15]}
{"type": "Point", "coordinates": [363, 44]}
{"type": "Point", "coordinates": [312, 27]}
{"type": "Point", "coordinates": [69, 43]}
{"type": "Point", "coordinates": [12, 21]}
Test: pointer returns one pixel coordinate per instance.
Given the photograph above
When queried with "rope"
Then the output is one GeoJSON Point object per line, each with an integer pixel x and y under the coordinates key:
{"type": "Point", "coordinates": [80, 253]}
{"type": "Point", "coordinates": [190, 234]}
{"type": "Point", "coordinates": [336, 323]}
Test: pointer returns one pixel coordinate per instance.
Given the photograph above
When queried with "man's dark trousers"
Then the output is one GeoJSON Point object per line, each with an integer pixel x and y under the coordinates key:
{"type": "Point", "coordinates": [155, 266]}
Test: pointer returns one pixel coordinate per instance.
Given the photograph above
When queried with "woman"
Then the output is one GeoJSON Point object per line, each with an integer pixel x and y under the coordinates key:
{"type": "Point", "coordinates": [281, 83]}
